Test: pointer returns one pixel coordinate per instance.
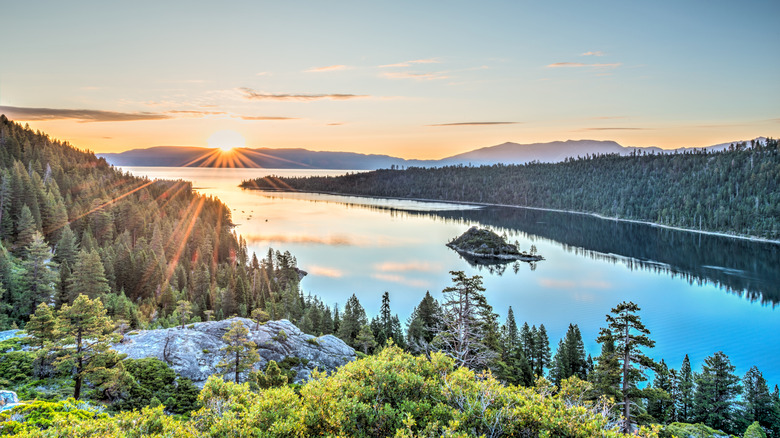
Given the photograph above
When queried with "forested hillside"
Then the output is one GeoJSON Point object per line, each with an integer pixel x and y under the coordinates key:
{"type": "Point", "coordinates": [71, 224]}
{"type": "Point", "coordinates": [736, 191]}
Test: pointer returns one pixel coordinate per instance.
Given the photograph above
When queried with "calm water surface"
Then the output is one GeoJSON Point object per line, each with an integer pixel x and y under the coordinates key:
{"type": "Point", "coordinates": [699, 294]}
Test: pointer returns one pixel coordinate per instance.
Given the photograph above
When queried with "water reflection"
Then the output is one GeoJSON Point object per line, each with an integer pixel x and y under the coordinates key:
{"type": "Point", "coordinates": [743, 267]}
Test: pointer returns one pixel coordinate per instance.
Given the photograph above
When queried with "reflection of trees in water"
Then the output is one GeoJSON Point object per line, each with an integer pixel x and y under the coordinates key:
{"type": "Point", "coordinates": [746, 268]}
{"type": "Point", "coordinates": [743, 267]}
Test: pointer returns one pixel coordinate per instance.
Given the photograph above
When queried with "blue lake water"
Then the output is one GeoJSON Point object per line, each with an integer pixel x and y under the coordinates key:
{"type": "Point", "coordinates": [699, 294]}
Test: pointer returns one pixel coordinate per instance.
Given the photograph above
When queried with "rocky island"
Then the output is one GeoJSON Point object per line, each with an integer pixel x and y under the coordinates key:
{"type": "Point", "coordinates": [482, 246]}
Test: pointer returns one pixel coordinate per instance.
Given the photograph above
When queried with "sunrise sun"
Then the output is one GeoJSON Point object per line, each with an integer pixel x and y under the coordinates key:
{"type": "Point", "coordinates": [226, 140]}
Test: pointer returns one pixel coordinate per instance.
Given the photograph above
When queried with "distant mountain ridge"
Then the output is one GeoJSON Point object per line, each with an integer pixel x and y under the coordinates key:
{"type": "Point", "coordinates": [298, 158]}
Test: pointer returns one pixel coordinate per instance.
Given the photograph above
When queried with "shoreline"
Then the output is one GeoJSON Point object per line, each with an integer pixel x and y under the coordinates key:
{"type": "Point", "coordinates": [488, 204]}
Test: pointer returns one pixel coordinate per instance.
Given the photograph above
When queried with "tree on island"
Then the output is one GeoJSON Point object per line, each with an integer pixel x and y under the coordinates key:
{"type": "Point", "coordinates": [629, 334]}
{"type": "Point", "coordinates": [240, 354]}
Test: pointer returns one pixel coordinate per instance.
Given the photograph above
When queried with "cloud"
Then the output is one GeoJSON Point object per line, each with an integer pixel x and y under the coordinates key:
{"type": "Point", "coordinates": [615, 129]}
{"type": "Point", "coordinates": [254, 95]}
{"type": "Point", "coordinates": [476, 123]}
{"type": "Point", "coordinates": [327, 68]}
{"type": "Point", "coordinates": [401, 280]}
{"type": "Point", "coordinates": [608, 117]}
{"type": "Point", "coordinates": [195, 113]}
{"type": "Point", "coordinates": [266, 118]}
{"type": "Point", "coordinates": [264, 73]}
{"type": "Point", "coordinates": [409, 63]}
{"type": "Point", "coordinates": [335, 124]}
{"type": "Point", "coordinates": [419, 266]}
{"type": "Point", "coordinates": [416, 76]}
{"type": "Point", "coordinates": [596, 53]}
{"type": "Point", "coordinates": [325, 271]}
{"type": "Point", "coordinates": [581, 65]}
{"type": "Point", "coordinates": [301, 239]}
{"type": "Point", "coordinates": [81, 115]}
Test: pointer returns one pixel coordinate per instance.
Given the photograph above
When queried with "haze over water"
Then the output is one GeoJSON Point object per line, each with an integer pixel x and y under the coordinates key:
{"type": "Point", "coordinates": [698, 294]}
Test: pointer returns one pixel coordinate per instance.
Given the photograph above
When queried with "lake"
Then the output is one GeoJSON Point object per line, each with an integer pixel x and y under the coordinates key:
{"type": "Point", "coordinates": [698, 293]}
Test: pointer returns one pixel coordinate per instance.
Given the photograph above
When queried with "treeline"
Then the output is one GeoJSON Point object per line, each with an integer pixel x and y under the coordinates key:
{"type": "Point", "coordinates": [70, 224]}
{"type": "Point", "coordinates": [733, 191]}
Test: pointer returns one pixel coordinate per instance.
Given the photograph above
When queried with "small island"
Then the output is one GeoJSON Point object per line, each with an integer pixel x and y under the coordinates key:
{"type": "Point", "coordinates": [482, 246]}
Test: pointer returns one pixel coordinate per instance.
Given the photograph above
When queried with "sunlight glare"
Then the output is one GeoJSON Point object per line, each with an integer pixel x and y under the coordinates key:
{"type": "Point", "coordinates": [226, 140]}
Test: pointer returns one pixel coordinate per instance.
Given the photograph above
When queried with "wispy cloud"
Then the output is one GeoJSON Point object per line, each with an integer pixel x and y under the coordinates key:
{"type": "Point", "coordinates": [615, 129]}
{"type": "Point", "coordinates": [196, 113]}
{"type": "Point", "coordinates": [80, 115]}
{"type": "Point", "coordinates": [323, 271]}
{"type": "Point", "coordinates": [255, 95]}
{"type": "Point", "coordinates": [608, 117]}
{"type": "Point", "coordinates": [327, 68]}
{"type": "Point", "coordinates": [475, 123]}
{"type": "Point", "coordinates": [410, 63]}
{"type": "Point", "coordinates": [583, 65]}
{"type": "Point", "coordinates": [416, 76]}
{"type": "Point", "coordinates": [419, 266]}
{"type": "Point", "coordinates": [266, 118]}
{"type": "Point", "coordinates": [401, 280]}
{"type": "Point", "coordinates": [335, 124]}
{"type": "Point", "coordinates": [596, 53]}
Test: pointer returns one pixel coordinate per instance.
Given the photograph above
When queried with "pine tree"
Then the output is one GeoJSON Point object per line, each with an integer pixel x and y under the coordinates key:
{"type": "Point", "coordinates": [629, 334]}
{"type": "Point", "coordinates": [661, 405]}
{"type": "Point", "coordinates": [421, 328]}
{"type": "Point", "coordinates": [541, 350]}
{"type": "Point", "coordinates": [353, 319]}
{"type": "Point", "coordinates": [85, 336]}
{"type": "Point", "coordinates": [273, 376]}
{"type": "Point", "coordinates": [686, 389]}
{"type": "Point", "coordinates": [67, 247]}
{"type": "Point", "coordinates": [464, 330]}
{"type": "Point", "coordinates": [88, 276]}
{"type": "Point", "coordinates": [25, 231]}
{"type": "Point", "coordinates": [716, 389]}
{"type": "Point", "coordinates": [365, 339]}
{"type": "Point", "coordinates": [42, 327]}
{"type": "Point", "coordinates": [569, 358]}
{"type": "Point", "coordinates": [240, 354]}
{"type": "Point", "coordinates": [757, 404]}
{"type": "Point", "coordinates": [606, 373]}
{"type": "Point", "coordinates": [38, 275]}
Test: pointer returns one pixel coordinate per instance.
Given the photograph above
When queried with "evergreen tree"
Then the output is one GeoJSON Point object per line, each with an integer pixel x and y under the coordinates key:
{"type": "Point", "coordinates": [686, 389]}
{"type": "Point", "coordinates": [365, 339]}
{"type": "Point", "coordinates": [240, 354]}
{"type": "Point", "coordinates": [527, 339]}
{"type": "Point", "coordinates": [25, 231]}
{"type": "Point", "coordinates": [273, 376]}
{"type": "Point", "coordinates": [716, 389]}
{"type": "Point", "coordinates": [629, 334]}
{"type": "Point", "coordinates": [757, 404]}
{"type": "Point", "coordinates": [606, 373]}
{"type": "Point", "coordinates": [464, 330]}
{"type": "Point", "coordinates": [421, 328]}
{"type": "Point", "coordinates": [661, 404]}
{"type": "Point", "coordinates": [38, 276]}
{"type": "Point", "coordinates": [88, 276]}
{"type": "Point", "coordinates": [42, 327]}
{"type": "Point", "coordinates": [569, 358]}
{"type": "Point", "coordinates": [67, 247]}
{"type": "Point", "coordinates": [84, 338]}
{"type": "Point", "coordinates": [352, 321]}
{"type": "Point", "coordinates": [541, 351]}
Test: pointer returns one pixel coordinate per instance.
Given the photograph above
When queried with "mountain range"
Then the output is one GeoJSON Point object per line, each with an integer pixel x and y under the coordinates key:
{"type": "Point", "coordinates": [296, 158]}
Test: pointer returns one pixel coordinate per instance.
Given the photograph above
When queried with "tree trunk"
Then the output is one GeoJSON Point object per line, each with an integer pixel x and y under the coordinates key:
{"type": "Point", "coordinates": [626, 406]}
{"type": "Point", "coordinates": [237, 354]}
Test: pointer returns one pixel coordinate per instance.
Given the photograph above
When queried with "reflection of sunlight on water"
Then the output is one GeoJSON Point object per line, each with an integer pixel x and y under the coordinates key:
{"type": "Point", "coordinates": [325, 271]}
{"type": "Point", "coordinates": [395, 278]}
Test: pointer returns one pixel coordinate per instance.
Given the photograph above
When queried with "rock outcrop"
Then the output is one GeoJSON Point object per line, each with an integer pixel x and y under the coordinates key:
{"type": "Point", "coordinates": [194, 351]}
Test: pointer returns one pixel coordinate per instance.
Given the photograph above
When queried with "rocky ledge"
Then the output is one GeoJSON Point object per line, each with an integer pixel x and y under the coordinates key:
{"type": "Point", "coordinates": [482, 246]}
{"type": "Point", "coordinates": [194, 351]}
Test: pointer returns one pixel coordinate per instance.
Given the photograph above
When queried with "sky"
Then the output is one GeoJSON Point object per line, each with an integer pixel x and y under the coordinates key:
{"type": "Point", "coordinates": [415, 79]}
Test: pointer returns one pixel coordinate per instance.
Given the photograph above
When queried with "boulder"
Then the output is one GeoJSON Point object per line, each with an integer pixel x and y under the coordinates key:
{"type": "Point", "coordinates": [194, 351]}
